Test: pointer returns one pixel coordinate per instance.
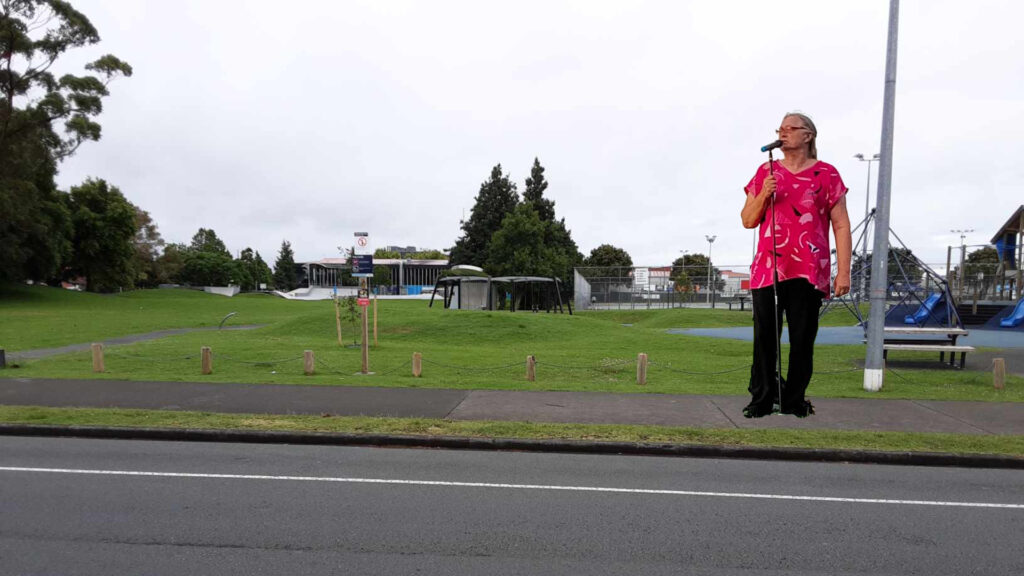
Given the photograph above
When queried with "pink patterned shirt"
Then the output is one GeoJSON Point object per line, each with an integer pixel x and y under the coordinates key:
{"type": "Point", "coordinates": [803, 201]}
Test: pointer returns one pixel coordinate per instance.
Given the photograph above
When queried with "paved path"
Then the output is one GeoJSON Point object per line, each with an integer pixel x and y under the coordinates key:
{"type": "Point", "coordinates": [501, 405]}
{"type": "Point", "coordinates": [45, 352]}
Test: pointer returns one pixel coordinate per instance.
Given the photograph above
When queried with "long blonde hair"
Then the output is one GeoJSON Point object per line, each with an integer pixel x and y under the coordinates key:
{"type": "Point", "coordinates": [812, 146]}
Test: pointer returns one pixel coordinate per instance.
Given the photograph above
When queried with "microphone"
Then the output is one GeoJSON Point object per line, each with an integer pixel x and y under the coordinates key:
{"type": "Point", "coordinates": [772, 146]}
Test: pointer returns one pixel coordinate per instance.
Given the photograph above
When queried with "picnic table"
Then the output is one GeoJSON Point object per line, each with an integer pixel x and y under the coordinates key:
{"type": "Point", "coordinates": [941, 340]}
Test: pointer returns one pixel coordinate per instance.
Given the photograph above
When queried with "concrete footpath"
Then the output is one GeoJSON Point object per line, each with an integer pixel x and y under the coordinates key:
{"type": "Point", "coordinates": [699, 411]}
{"type": "Point", "coordinates": [723, 412]}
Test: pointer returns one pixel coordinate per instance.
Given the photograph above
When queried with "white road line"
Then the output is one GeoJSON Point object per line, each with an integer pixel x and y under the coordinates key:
{"type": "Point", "coordinates": [511, 487]}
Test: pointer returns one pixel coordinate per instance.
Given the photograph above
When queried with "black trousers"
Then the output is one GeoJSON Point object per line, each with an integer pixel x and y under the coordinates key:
{"type": "Point", "coordinates": [801, 302]}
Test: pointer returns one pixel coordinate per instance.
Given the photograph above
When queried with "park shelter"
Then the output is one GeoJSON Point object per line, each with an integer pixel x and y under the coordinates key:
{"type": "Point", "coordinates": [1009, 243]}
{"type": "Point", "coordinates": [512, 293]}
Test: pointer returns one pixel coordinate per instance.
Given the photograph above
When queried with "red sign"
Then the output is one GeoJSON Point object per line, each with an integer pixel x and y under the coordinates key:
{"type": "Point", "coordinates": [364, 302]}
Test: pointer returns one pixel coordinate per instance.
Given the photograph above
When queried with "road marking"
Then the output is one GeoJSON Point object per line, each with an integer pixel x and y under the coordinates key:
{"type": "Point", "coordinates": [511, 487]}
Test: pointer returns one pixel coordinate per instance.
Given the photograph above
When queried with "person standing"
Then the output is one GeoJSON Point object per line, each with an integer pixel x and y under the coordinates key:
{"type": "Point", "coordinates": [809, 197]}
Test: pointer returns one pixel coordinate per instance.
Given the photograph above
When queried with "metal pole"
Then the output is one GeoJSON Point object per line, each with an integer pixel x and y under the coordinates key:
{"type": "Point", "coordinates": [960, 277]}
{"type": "Point", "coordinates": [711, 293]}
{"type": "Point", "coordinates": [873, 368]}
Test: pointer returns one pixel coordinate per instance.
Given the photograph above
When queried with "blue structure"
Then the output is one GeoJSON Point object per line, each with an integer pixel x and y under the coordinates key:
{"type": "Point", "coordinates": [1015, 318]}
{"type": "Point", "coordinates": [928, 309]}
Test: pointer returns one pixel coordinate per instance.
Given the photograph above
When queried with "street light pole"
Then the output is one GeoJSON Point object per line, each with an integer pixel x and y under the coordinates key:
{"type": "Point", "coordinates": [867, 197]}
{"type": "Point", "coordinates": [963, 253]}
{"type": "Point", "coordinates": [711, 294]}
{"type": "Point", "coordinates": [874, 371]}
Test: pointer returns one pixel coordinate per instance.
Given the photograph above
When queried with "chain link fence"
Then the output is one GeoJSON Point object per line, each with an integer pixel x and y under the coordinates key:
{"type": "Point", "coordinates": [651, 287]}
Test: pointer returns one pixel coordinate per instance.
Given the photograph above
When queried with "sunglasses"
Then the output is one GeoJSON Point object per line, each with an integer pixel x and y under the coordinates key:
{"type": "Point", "coordinates": [788, 129]}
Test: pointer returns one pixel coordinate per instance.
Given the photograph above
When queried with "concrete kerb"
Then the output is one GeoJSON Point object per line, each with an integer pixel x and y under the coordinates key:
{"type": "Point", "coordinates": [528, 445]}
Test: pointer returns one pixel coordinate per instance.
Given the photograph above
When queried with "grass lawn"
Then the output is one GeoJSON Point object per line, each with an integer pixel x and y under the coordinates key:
{"type": "Point", "coordinates": [591, 351]}
{"type": "Point", "coordinates": [832, 439]}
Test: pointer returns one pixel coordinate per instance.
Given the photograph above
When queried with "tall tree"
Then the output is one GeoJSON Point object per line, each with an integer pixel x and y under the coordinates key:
{"type": "Point", "coordinates": [148, 244]}
{"type": "Point", "coordinates": [104, 233]}
{"type": "Point", "coordinates": [206, 240]}
{"type": "Point", "coordinates": [285, 278]}
{"type": "Point", "coordinates": [35, 230]}
{"type": "Point", "coordinates": [607, 261]}
{"type": "Point", "coordinates": [245, 270]}
{"type": "Point", "coordinates": [207, 262]}
{"type": "Point", "coordinates": [681, 275]}
{"type": "Point", "coordinates": [519, 247]}
{"type": "Point", "coordinates": [34, 34]}
{"type": "Point", "coordinates": [496, 199]}
{"type": "Point", "coordinates": [170, 264]}
{"type": "Point", "coordinates": [557, 237]}
{"type": "Point", "coordinates": [263, 275]}
{"type": "Point", "coordinates": [534, 193]}
{"type": "Point", "coordinates": [980, 270]}
{"type": "Point", "coordinates": [696, 267]}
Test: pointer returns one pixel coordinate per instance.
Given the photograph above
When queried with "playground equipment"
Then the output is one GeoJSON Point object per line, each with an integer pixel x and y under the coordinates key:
{"type": "Point", "coordinates": [1015, 318]}
{"type": "Point", "coordinates": [928, 297]}
{"type": "Point", "coordinates": [926, 310]}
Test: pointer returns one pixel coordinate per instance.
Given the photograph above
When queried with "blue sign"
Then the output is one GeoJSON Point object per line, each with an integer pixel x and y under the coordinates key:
{"type": "Point", "coordinates": [362, 266]}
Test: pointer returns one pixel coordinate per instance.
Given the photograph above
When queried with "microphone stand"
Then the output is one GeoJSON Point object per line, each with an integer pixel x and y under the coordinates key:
{"type": "Point", "coordinates": [775, 290]}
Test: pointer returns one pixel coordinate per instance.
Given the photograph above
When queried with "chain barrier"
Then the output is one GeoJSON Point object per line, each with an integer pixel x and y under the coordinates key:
{"type": "Point", "coordinates": [329, 369]}
{"type": "Point", "coordinates": [677, 370]}
{"type": "Point", "coordinates": [599, 368]}
{"type": "Point", "coordinates": [608, 364]}
{"type": "Point", "coordinates": [149, 358]}
{"type": "Point", "coordinates": [472, 369]}
{"type": "Point", "coordinates": [395, 369]}
{"type": "Point", "coordinates": [844, 371]}
{"type": "Point", "coordinates": [260, 363]}
{"type": "Point", "coordinates": [976, 375]}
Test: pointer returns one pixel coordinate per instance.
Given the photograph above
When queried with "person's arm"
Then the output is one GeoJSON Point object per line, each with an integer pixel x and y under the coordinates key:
{"type": "Point", "coordinates": [754, 206]}
{"type": "Point", "coordinates": [844, 244]}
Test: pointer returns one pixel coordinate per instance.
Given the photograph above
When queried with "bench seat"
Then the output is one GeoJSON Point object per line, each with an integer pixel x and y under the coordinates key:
{"type": "Point", "coordinates": [937, 347]}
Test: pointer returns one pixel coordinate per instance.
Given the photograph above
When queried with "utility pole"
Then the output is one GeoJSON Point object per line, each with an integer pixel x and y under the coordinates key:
{"type": "Point", "coordinates": [963, 255]}
{"type": "Point", "coordinates": [711, 294]}
{"type": "Point", "coordinates": [874, 370]}
{"type": "Point", "coordinates": [867, 196]}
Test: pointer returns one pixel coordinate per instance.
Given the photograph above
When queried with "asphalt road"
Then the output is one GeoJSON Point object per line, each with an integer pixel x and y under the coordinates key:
{"type": "Point", "coordinates": [69, 506]}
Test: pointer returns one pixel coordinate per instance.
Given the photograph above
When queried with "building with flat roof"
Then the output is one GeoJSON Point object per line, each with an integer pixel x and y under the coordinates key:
{"type": "Point", "coordinates": [408, 276]}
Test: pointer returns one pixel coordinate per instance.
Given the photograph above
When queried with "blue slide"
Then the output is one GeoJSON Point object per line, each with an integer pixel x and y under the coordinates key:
{"type": "Point", "coordinates": [1015, 318]}
{"type": "Point", "coordinates": [925, 310]}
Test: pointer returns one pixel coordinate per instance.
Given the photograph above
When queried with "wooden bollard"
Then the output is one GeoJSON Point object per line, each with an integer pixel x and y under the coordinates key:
{"type": "Point", "coordinates": [641, 369]}
{"type": "Point", "coordinates": [307, 362]}
{"type": "Point", "coordinates": [97, 358]}
{"type": "Point", "coordinates": [531, 368]}
{"type": "Point", "coordinates": [417, 364]}
{"type": "Point", "coordinates": [207, 359]}
{"type": "Point", "coordinates": [999, 373]}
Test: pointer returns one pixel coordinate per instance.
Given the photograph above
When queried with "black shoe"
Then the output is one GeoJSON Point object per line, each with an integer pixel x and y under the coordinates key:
{"type": "Point", "coordinates": [755, 411]}
{"type": "Point", "coordinates": [801, 410]}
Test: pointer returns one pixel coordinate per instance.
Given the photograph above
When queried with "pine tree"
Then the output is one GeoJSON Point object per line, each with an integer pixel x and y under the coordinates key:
{"type": "Point", "coordinates": [284, 269]}
{"type": "Point", "coordinates": [497, 198]}
{"type": "Point", "coordinates": [557, 238]}
{"type": "Point", "coordinates": [263, 274]}
{"type": "Point", "coordinates": [534, 193]}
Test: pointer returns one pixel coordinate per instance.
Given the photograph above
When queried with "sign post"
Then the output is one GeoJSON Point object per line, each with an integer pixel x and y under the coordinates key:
{"type": "Point", "coordinates": [364, 301]}
{"type": "Point", "coordinates": [362, 268]}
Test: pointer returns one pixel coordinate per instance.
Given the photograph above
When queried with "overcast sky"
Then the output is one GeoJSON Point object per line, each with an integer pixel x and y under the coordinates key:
{"type": "Point", "coordinates": [310, 121]}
